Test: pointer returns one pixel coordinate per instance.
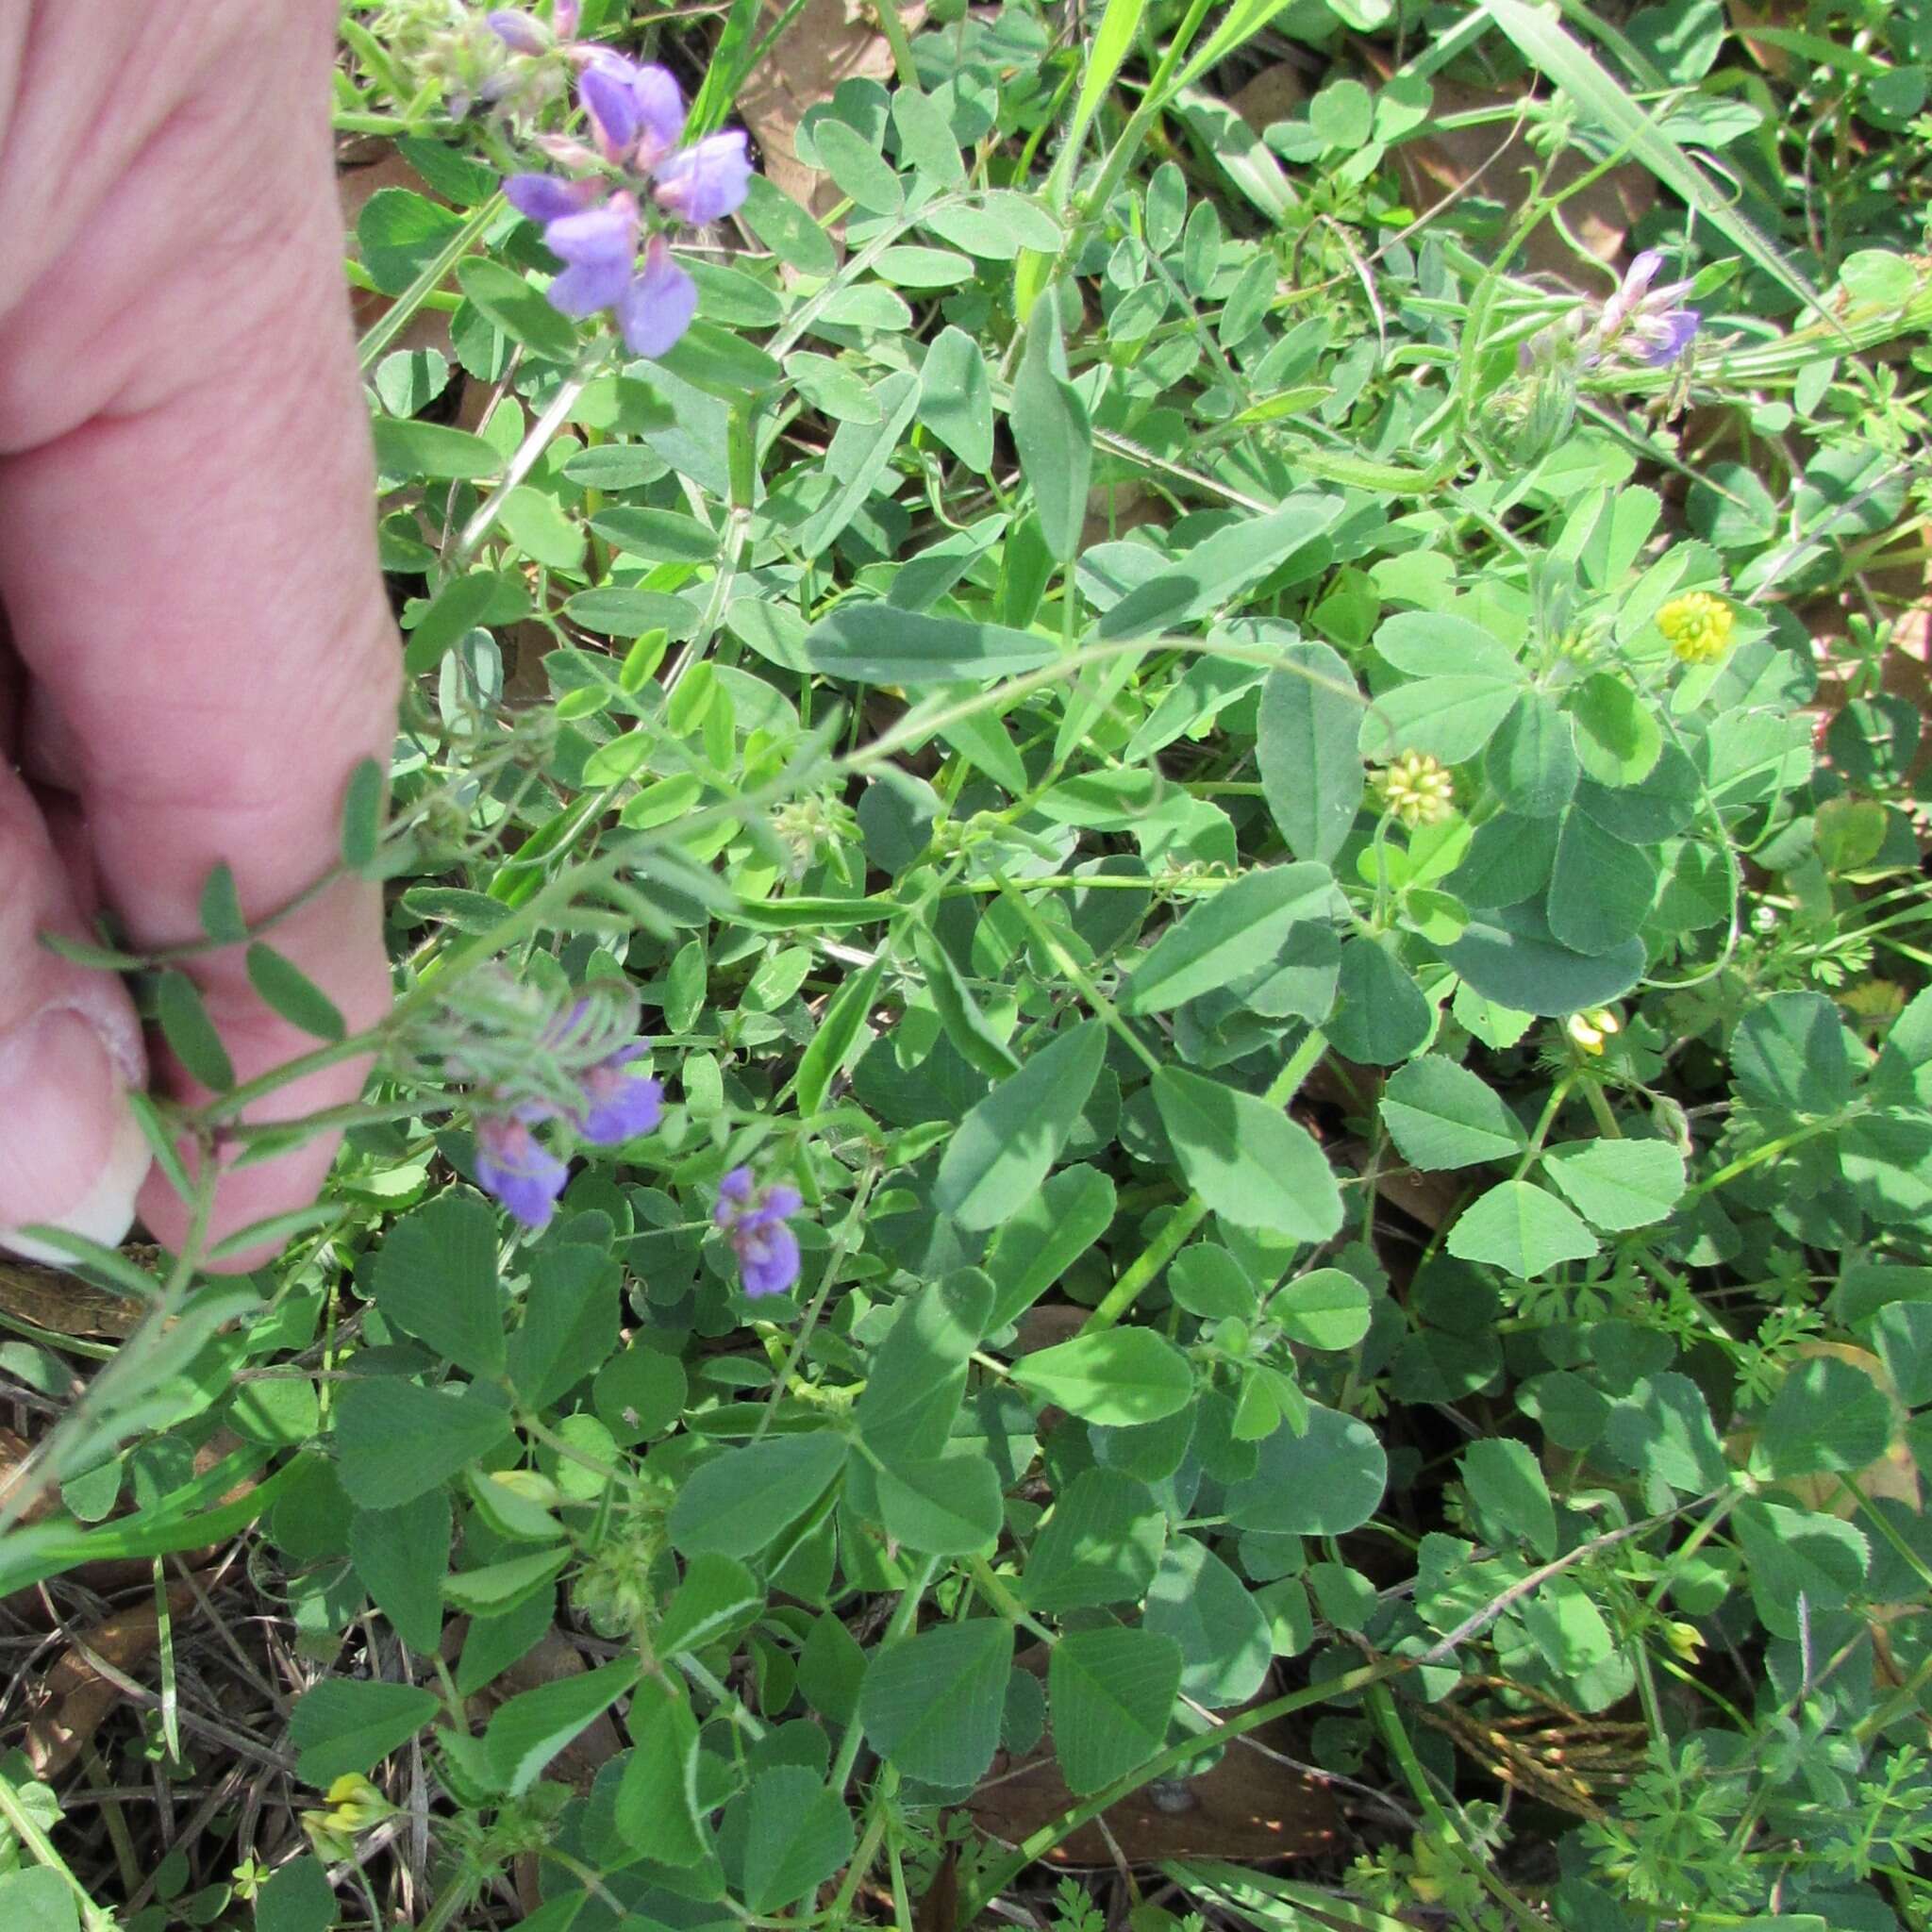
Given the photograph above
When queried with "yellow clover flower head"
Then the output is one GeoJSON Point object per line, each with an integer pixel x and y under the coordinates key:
{"type": "Point", "coordinates": [1418, 788]}
{"type": "Point", "coordinates": [1697, 626]}
{"type": "Point", "coordinates": [1593, 1026]}
{"type": "Point", "coordinates": [354, 1804]}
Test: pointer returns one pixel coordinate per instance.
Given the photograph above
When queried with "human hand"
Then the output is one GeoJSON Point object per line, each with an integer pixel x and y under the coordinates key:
{"type": "Point", "coordinates": [201, 648]}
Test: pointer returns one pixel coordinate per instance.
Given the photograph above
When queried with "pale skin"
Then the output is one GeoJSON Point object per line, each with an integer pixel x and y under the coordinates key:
{"type": "Point", "coordinates": [198, 649]}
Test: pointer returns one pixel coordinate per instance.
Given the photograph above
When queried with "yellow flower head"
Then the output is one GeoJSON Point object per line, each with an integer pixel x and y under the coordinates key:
{"type": "Point", "coordinates": [1418, 788]}
{"type": "Point", "coordinates": [1697, 626]}
{"type": "Point", "coordinates": [1593, 1026]}
{"type": "Point", "coordinates": [1684, 1638]}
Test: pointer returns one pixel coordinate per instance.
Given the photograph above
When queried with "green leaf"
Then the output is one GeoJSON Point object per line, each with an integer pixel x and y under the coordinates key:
{"type": "Point", "coordinates": [527, 1732]}
{"type": "Point", "coordinates": [221, 908]}
{"type": "Point", "coordinates": [1115, 1376]}
{"type": "Point", "coordinates": [1826, 1416]}
{"type": "Point", "coordinates": [190, 1034]}
{"type": "Point", "coordinates": [1325, 1481]}
{"type": "Point", "coordinates": [571, 1317]}
{"type": "Point", "coordinates": [1003, 1149]}
{"type": "Point", "coordinates": [1600, 888]}
{"type": "Point", "coordinates": [1440, 1115]}
{"type": "Point", "coordinates": [786, 229]}
{"type": "Point", "coordinates": [1229, 936]}
{"type": "Point", "coordinates": [290, 992]}
{"type": "Point", "coordinates": [1100, 1545]}
{"type": "Point", "coordinates": [1617, 740]}
{"type": "Point", "coordinates": [1789, 1055]}
{"type": "Point", "coordinates": [361, 827]}
{"type": "Point", "coordinates": [966, 1026]}
{"type": "Point", "coordinates": [877, 643]}
{"type": "Point", "coordinates": [856, 456]}
{"type": "Point", "coordinates": [435, 1275]}
{"type": "Point", "coordinates": [1049, 1233]}
{"type": "Point", "coordinates": [1311, 771]}
{"type": "Point", "coordinates": [497, 1589]}
{"type": "Point", "coordinates": [1618, 1184]}
{"type": "Point", "coordinates": [1662, 1428]}
{"type": "Point", "coordinates": [1248, 1161]}
{"type": "Point", "coordinates": [857, 167]}
{"type": "Point", "coordinates": [797, 1831]}
{"type": "Point", "coordinates": [395, 1441]}
{"type": "Point", "coordinates": [1902, 1334]}
{"type": "Point", "coordinates": [1381, 1015]}
{"type": "Point", "coordinates": [1218, 568]}
{"type": "Point", "coordinates": [1508, 956]}
{"type": "Point", "coordinates": [1531, 762]}
{"type": "Point", "coordinates": [640, 1393]}
{"type": "Point", "coordinates": [517, 309]}
{"type": "Point", "coordinates": [931, 1704]}
{"type": "Point", "coordinates": [401, 1555]}
{"type": "Point", "coordinates": [1200, 1603]}
{"type": "Point", "coordinates": [737, 1503]}
{"type": "Point", "coordinates": [945, 1505]}
{"type": "Point", "coordinates": [654, 1810]}
{"type": "Point", "coordinates": [399, 233]}
{"type": "Point", "coordinates": [1112, 1692]}
{"type": "Point", "coordinates": [1799, 1563]}
{"type": "Point", "coordinates": [350, 1724]}
{"type": "Point", "coordinates": [954, 397]}
{"type": "Point", "coordinates": [432, 450]}
{"type": "Point", "coordinates": [718, 1593]}
{"type": "Point", "coordinates": [1508, 860]}
{"type": "Point", "coordinates": [1523, 1230]}
{"type": "Point", "coordinates": [1508, 1486]}
{"type": "Point", "coordinates": [1208, 1281]}
{"type": "Point", "coordinates": [1052, 434]}
{"type": "Point", "coordinates": [1450, 718]}
{"type": "Point", "coordinates": [454, 610]}
{"type": "Point", "coordinates": [297, 1898]}
{"type": "Point", "coordinates": [1432, 643]}
{"type": "Point", "coordinates": [1327, 1308]}
{"type": "Point", "coordinates": [918, 1374]}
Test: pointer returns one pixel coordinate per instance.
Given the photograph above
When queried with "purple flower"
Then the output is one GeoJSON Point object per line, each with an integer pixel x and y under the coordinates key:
{"type": "Point", "coordinates": [637, 119]}
{"type": "Point", "coordinates": [599, 249]}
{"type": "Point", "coordinates": [656, 309]}
{"type": "Point", "coordinates": [753, 1221]}
{"type": "Point", "coordinates": [517, 1168]}
{"type": "Point", "coordinates": [619, 1105]}
{"type": "Point", "coordinates": [636, 112]}
{"type": "Point", "coordinates": [1641, 323]}
{"type": "Point", "coordinates": [544, 199]}
{"type": "Point", "coordinates": [518, 31]}
{"type": "Point", "coordinates": [1662, 339]}
{"type": "Point", "coordinates": [706, 181]}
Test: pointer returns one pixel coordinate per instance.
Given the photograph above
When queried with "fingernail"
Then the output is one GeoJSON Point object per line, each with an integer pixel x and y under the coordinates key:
{"type": "Point", "coordinates": [71, 1152]}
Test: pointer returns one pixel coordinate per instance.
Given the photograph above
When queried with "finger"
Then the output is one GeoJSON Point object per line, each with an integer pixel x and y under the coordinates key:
{"type": "Point", "coordinates": [223, 676]}
{"type": "Point", "coordinates": [71, 1154]}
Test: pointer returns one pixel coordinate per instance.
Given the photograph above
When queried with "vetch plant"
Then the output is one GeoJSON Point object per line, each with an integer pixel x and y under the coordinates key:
{"type": "Point", "coordinates": [1311, 849]}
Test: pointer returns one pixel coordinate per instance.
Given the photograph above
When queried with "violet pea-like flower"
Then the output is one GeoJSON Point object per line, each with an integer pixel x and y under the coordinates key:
{"type": "Point", "coordinates": [752, 1220]}
{"type": "Point", "coordinates": [705, 181]}
{"type": "Point", "coordinates": [618, 1105]}
{"type": "Point", "coordinates": [517, 1168]}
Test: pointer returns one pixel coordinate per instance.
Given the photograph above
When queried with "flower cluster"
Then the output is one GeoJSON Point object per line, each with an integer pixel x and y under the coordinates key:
{"type": "Point", "coordinates": [1591, 1028]}
{"type": "Point", "coordinates": [1697, 626]}
{"type": "Point", "coordinates": [1640, 326]}
{"type": "Point", "coordinates": [594, 222]}
{"type": "Point", "coordinates": [1418, 788]}
{"type": "Point", "coordinates": [611, 1103]}
{"type": "Point", "coordinates": [752, 1220]}
{"type": "Point", "coordinates": [542, 1062]}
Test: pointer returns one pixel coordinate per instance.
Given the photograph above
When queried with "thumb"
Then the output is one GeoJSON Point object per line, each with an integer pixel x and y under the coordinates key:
{"type": "Point", "coordinates": [70, 1153]}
